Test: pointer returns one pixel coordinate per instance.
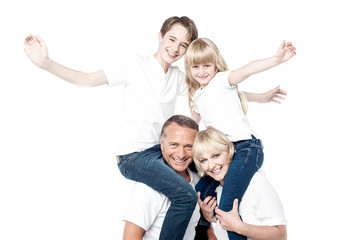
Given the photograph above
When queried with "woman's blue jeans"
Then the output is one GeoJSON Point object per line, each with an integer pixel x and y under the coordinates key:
{"type": "Point", "coordinates": [148, 167]}
{"type": "Point", "coordinates": [247, 160]}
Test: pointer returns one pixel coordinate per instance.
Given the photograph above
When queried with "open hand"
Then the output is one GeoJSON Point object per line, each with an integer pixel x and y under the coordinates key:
{"type": "Point", "coordinates": [36, 50]}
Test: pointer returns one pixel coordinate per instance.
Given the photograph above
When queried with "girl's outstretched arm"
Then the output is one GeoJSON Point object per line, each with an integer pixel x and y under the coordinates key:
{"type": "Point", "coordinates": [274, 95]}
{"type": "Point", "coordinates": [284, 53]}
{"type": "Point", "coordinates": [37, 52]}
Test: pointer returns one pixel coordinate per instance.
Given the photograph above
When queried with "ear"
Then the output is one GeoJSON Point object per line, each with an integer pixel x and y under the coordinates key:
{"type": "Point", "coordinates": [160, 36]}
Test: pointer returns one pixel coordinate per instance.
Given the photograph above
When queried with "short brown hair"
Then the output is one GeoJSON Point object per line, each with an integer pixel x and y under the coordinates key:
{"type": "Point", "coordinates": [180, 120]}
{"type": "Point", "coordinates": [185, 22]}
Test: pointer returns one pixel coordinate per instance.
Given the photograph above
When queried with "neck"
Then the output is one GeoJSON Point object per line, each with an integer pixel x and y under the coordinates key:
{"type": "Point", "coordinates": [163, 64]}
{"type": "Point", "coordinates": [185, 175]}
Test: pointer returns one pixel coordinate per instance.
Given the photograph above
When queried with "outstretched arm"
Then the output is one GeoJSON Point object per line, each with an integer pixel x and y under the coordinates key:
{"type": "Point", "coordinates": [231, 221]}
{"type": "Point", "coordinates": [37, 52]}
{"type": "Point", "coordinates": [284, 53]}
{"type": "Point", "coordinates": [274, 95]}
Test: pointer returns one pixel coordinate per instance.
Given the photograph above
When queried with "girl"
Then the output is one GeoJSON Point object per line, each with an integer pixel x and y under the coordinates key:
{"type": "Point", "coordinates": [214, 97]}
{"type": "Point", "coordinates": [261, 207]}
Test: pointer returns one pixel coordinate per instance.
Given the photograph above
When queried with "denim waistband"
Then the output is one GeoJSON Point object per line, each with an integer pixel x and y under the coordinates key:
{"type": "Point", "coordinates": [254, 142]}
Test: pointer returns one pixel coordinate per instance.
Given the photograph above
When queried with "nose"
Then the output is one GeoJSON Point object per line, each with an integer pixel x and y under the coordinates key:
{"type": "Point", "coordinates": [181, 153]}
{"type": "Point", "coordinates": [211, 164]}
{"type": "Point", "coordinates": [176, 47]}
{"type": "Point", "coordinates": [201, 70]}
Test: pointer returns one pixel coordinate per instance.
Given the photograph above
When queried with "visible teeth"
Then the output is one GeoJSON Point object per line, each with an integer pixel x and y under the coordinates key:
{"type": "Point", "coordinates": [217, 170]}
{"type": "Point", "coordinates": [179, 161]}
{"type": "Point", "coordinates": [171, 54]}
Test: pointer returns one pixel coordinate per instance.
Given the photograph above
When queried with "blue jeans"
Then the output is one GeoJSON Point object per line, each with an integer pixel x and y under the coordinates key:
{"type": "Point", "coordinates": [247, 159]}
{"type": "Point", "coordinates": [149, 168]}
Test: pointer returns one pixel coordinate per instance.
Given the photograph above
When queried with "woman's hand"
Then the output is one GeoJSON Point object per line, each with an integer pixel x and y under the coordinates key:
{"type": "Point", "coordinates": [207, 207]}
{"type": "Point", "coordinates": [230, 221]}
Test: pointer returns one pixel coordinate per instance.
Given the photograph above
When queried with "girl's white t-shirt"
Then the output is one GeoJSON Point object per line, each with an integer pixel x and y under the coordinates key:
{"type": "Point", "coordinates": [220, 107]}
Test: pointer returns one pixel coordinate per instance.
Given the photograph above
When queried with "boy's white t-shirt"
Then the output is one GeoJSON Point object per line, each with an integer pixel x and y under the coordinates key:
{"type": "Point", "coordinates": [260, 205]}
{"type": "Point", "coordinates": [146, 101]}
{"type": "Point", "coordinates": [220, 107]}
{"type": "Point", "coordinates": [147, 209]}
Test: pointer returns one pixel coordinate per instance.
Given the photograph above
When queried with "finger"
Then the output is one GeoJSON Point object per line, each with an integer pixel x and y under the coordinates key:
{"type": "Point", "coordinates": [235, 205]}
{"type": "Point", "coordinates": [207, 199]}
{"type": "Point", "coordinates": [282, 92]}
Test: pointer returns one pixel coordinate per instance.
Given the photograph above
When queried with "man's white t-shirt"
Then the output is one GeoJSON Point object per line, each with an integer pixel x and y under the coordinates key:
{"type": "Point", "coordinates": [146, 101]}
{"type": "Point", "coordinates": [147, 209]}
{"type": "Point", "coordinates": [219, 106]}
{"type": "Point", "coordinates": [260, 205]}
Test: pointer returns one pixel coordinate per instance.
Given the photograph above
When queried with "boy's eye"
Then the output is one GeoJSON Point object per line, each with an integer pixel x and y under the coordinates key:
{"type": "Point", "coordinates": [184, 46]}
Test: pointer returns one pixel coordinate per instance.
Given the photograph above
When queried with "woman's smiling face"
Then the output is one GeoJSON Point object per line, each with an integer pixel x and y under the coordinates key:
{"type": "Point", "coordinates": [215, 165]}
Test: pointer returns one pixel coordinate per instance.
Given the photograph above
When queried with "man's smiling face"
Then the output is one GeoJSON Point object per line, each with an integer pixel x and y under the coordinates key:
{"type": "Point", "coordinates": [176, 145]}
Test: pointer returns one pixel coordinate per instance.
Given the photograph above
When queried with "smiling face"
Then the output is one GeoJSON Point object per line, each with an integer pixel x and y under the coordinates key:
{"type": "Point", "coordinates": [215, 165]}
{"type": "Point", "coordinates": [172, 46]}
{"type": "Point", "coordinates": [203, 73]}
{"type": "Point", "coordinates": [176, 145]}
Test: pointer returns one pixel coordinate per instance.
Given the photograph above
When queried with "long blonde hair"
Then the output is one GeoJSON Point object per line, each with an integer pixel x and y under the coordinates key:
{"type": "Point", "coordinates": [210, 141]}
{"type": "Point", "coordinates": [200, 51]}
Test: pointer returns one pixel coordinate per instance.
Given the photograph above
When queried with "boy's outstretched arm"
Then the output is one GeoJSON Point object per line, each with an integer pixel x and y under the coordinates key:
{"type": "Point", "coordinates": [37, 52]}
{"type": "Point", "coordinates": [284, 53]}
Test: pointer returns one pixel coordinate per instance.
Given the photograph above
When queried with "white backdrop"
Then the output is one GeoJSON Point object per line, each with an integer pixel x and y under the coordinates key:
{"type": "Point", "coordinates": [58, 173]}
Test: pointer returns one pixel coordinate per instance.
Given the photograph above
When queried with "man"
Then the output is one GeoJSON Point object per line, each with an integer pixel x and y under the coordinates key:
{"type": "Point", "coordinates": [147, 208]}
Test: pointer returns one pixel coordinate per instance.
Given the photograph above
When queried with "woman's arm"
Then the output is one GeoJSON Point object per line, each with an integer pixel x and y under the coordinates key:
{"type": "Point", "coordinates": [37, 52]}
{"type": "Point", "coordinates": [231, 221]}
{"type": "Point", "coordinates": [132, 231]}
{"type": "Point", "coordinates": [284, 53]}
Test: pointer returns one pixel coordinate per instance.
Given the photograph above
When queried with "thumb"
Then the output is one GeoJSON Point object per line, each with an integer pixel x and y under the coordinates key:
{"type": "Point", "coordinates": [235, 205]}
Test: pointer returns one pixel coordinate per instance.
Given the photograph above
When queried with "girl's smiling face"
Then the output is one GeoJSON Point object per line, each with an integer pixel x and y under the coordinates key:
{"type": "Point", "coordinates": [203, 73]}
{"type": "Point", "coordinates": [215, 165]}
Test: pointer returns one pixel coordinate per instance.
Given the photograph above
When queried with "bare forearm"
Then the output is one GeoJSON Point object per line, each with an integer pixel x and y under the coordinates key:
{"type": "Point", "coordinates": [263, 232]}
{"type": "Point", "coordinates": [76, 77]}
{"type": "Point", "coordinates": [257, 66]}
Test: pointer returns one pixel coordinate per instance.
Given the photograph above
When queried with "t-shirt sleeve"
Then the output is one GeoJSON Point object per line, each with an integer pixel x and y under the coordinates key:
{"type": "Point", "coordinates": [222, 79]}
{"type": "Point", "coordinates": [143, 207]}
{"type": "Point", "coordinates": [118, 72]}
{"type": "Point", "coordinates": [270, 209]}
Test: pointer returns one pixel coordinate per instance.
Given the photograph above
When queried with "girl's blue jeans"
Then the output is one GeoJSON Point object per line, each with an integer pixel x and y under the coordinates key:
{"type": "Point", "coordinates": [247, 159]}
{"type": "Point", "coordinates": [149, 168]}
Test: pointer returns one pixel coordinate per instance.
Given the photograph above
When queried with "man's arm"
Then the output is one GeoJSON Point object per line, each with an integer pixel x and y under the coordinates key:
{"type": "Point", "coordinates": [37, 52]}
{"type": "Point", "coordinates": [132, 231]}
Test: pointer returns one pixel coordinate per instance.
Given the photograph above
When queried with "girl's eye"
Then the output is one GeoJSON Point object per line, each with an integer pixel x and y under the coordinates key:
{"type": "Point", "coordinates": [195, 66]}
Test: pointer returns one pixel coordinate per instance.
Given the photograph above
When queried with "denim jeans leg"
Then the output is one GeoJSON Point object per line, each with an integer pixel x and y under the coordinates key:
{"type": "Point", "coordinates": [206, 186]}
{"type": "Point", "coordinates": [149, 168]}
{"type": "Point", "coordinates": [247, 160]}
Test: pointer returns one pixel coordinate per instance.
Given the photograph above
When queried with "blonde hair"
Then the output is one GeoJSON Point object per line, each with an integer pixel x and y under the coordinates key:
{"type": "Point", "coordinates": [210, 140]}
{"type": "Point", "coordinates": [200, 51]}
